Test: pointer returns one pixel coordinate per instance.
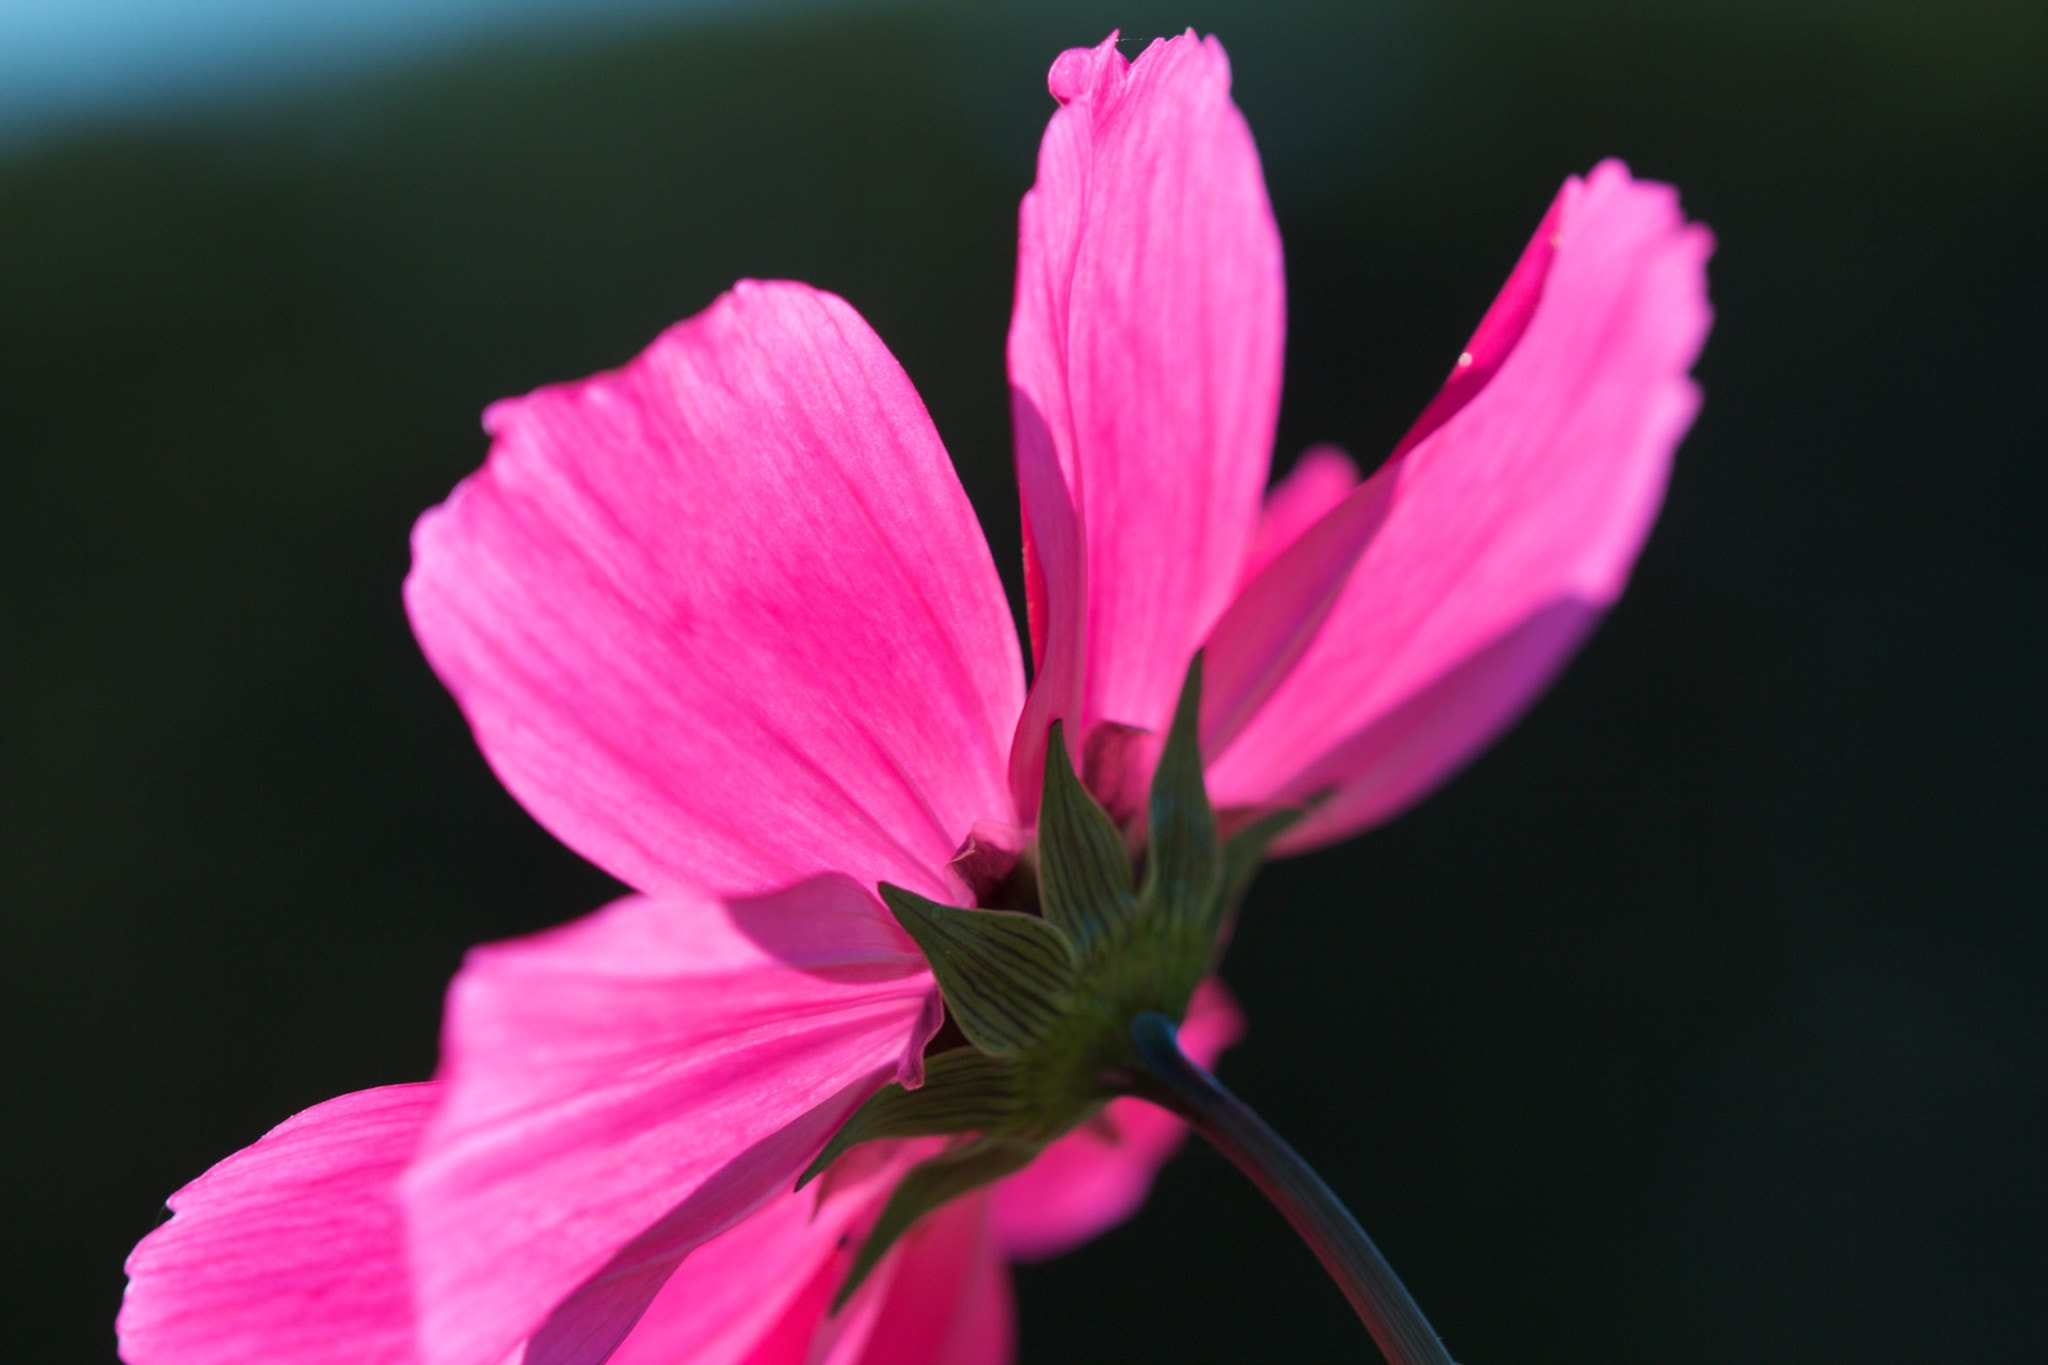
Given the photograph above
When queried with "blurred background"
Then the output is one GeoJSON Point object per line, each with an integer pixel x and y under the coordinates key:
{"type": "Point", "coordinates": [1702, 1019]}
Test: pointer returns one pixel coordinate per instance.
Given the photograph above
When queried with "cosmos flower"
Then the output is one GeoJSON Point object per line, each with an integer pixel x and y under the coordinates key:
{"type": "Point", "coordinates": [724, 622]}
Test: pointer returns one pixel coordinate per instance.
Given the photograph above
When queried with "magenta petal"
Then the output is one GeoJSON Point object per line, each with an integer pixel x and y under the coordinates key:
{"type": "Point", "coordinates": [290, 1250]}
{"type": "Point", "coordinates": [1145, 352]}
{"type": "Point", "coordinates": [736, 1291]}
{"type": "Point", "coordinates": [1323, 477]}
{"type": "Point", "coordinates": [1400, 756]}
{"type": "Point", "coordinates": [1498, 332]}
{"type": "Point", "coordinates": [1277, 614]}
{"type": "Point", "coordinates": [1098, 1175]}
{"type": "Point", "coordinates": [723, 618]}
{"type": "Point", "coordinates": [1056, 598]}
{"type": "Point", "coordinates": [670, 1295]}
{"type": "Point", "coordinates": [623, 1088]}
{"type": "Point", "coordinates": [1300, 560]}
{"type": "Point", "coordinates": [1509, 527]}
{"type": "Point", "coordinates": [755, 1295]}
{"type": "Point", "coordinates": [947, 1298]}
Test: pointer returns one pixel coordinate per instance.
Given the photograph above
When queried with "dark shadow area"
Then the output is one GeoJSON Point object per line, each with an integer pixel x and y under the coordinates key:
{"type": "Point", "coordinates": [1700, 1020]}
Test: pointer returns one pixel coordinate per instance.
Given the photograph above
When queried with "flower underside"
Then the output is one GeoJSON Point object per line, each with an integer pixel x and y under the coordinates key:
{"type": "Point", "coordinates": [1046, 1001]}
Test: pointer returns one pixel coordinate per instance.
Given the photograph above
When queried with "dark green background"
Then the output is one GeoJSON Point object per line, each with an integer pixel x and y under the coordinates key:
{"type": "Point", "coordinates": [1703, 1020]}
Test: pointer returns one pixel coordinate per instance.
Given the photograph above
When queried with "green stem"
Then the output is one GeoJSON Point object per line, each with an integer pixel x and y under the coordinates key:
{"type": "Point", "coordinates": [1376, 1293]}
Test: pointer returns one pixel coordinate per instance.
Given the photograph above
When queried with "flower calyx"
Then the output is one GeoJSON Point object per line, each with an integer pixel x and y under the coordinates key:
{"type": "Point", "coordinates": [1045, 1001]}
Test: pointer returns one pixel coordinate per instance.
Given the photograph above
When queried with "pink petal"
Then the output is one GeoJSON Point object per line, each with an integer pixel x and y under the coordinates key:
{"type": "Point", "coordinates": [1098, 1175]}
{"type": "Point", "coordinates": [723, 618]}
{"type": "Point", "coordinates": [756, 1295]}
{"type": "Point", "coordinates": [1056, 599]}
{"type": "Point", "coordinates": [947, 1299]}
{"type": "Point", "coordinates": [1507, 317]}
{"type": "Point", "coordinates": [289, 1250]}
{"type": "Point", "coordinates": [1276, 616]}
{"type": "Point", "coordinates": [761, 1294]}
{"type": "Point", "coordinates": [1510, 526]}
{"type": "Point", "coordinates": [1144, 353]}
{"type": "Point", "coordinates": [1320, 479]}
{"type": "Point", "coordinates": [1280, 608]}
{"type": "Point", "coordinates": [626, 1087]}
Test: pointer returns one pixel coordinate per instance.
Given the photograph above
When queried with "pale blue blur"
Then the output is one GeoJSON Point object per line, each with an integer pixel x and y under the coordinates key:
{"type": "Point", "coordinates": [66, 61]}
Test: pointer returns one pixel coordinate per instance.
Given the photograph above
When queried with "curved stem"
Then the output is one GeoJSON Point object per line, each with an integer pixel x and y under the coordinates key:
{"type": "Point", "coordinates": [1376, 1293]}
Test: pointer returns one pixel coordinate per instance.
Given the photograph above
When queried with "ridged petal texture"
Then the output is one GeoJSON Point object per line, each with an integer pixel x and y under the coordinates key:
{"type": "Point", "coordinates": [1144, 353]}
{"type": "Point", "coordinates": [290, 1250]}
{"type": "Point", "coordinates": [625, 1088]}
{"type": "Point", "coordinates": [1498, 533]}
{"type": "Point", "coordinates": [723, 619]}
{"type": "Point", "coordinates": [760, 1294]}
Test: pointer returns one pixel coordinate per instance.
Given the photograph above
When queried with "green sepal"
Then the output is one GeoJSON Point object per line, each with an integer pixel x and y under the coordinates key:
{"type": "Point", "coordinates": [1244, 853]}
{"type": "Point", "coordinates": [935, 1181]}
{"type": "Point", "coordinates": [964, 1091]}
{"type": "Point", "coordinates": [1005, 977]}
{"type": "Point", "coordinates": [1084, 870]}
{"type": "Point", "coordinates": [1184, 860]}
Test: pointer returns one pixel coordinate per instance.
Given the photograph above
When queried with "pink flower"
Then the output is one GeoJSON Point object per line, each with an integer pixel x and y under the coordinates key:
{"type": "Point", "coordinates": [724, 622]}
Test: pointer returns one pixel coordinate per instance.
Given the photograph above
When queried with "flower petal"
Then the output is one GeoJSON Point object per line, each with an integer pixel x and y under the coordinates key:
{"type": "Point", "coordinates": [1400, 756]}
{"type": "Point", "coordinates": [723, 618]}
{"type": "Point", "coordinates": [1507, 317]}
{"type": "Point", "coordinates": [1318, 523]}
{"type": "Point", "coordinates": [1144, 352]}
{"type": "Point", "coordinates": [755, 1295]}
{"type": "Point", "coordinates": [1276, 615]}
{"type": "Point", "coordinates": [1056, 600]}
{"type": "Point", "coordinates": [623, 1088]}
{"type": "Point", "coordinates": [947, 1299]}
{"type": "Point", "coordinates": [292, 1249]}
{"type": "Point", "coordinates": [1323, 477]}
{"type": "Point", "coordinates": [761, 1294]}
{"type": "Point", "coordinates": [1098, 1175]}
{"type": "Point", "coordinates": [1509, 527]}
